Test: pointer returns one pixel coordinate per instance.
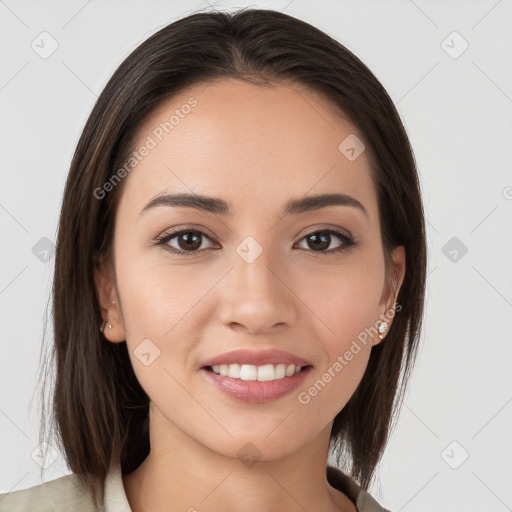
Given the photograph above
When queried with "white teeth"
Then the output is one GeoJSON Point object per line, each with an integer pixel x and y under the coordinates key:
{"type": "Point", "coordinates": [233, 371]}
{"type": "Point", "coordinates": [280, 371]}
{"type": "Point", "coordinates": [248, 372]}
{"type": "Point", "coordinates": [261, 373]}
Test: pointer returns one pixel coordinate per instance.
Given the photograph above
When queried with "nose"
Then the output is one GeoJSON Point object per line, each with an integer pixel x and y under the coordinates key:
{"type": "Point", "coordinates": [258, 296]}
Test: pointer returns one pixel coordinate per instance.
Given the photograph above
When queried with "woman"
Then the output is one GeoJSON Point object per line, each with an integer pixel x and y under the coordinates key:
{"type": "Point", "coordinates": [232, 302]}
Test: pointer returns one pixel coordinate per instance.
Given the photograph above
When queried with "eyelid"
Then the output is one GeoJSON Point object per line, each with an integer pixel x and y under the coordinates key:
{"type": "Point", "coordinates": [306, 231]}
{"type": "Point", "coordinates": [329, 227]}
{"type": "Point", "coordinates": [185, 228]}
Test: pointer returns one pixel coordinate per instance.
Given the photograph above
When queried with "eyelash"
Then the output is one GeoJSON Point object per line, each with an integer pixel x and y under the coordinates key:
{"type": "Point", "coordinates": [161, 241]}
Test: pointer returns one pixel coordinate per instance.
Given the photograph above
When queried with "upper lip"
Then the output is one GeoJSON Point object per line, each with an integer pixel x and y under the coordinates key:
{"type": "Point", "coordinates": [256, 358]}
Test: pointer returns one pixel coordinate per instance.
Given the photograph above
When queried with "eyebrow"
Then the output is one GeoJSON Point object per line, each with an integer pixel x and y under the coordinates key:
{"type": "Point", "coordinates": [221, 207]}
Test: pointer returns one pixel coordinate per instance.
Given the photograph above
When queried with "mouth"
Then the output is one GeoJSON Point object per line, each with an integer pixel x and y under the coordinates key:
{"type": "Point", "coordinates": [256, 384]}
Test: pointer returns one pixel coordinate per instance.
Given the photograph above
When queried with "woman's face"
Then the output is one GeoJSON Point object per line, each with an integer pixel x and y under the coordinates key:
{"type": "Point", "coordinates": [255, 278]}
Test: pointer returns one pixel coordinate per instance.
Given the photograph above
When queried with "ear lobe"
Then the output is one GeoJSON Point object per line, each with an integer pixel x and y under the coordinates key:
{"type": "Point", "coordinates": [106, 295]}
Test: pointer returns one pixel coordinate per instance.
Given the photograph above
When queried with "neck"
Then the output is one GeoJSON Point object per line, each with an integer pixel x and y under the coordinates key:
{"type": "Point", "coordinates": [215, 482]}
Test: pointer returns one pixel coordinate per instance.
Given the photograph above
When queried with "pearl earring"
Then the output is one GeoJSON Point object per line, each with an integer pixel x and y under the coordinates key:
{"type": "Point", "coordinates": [383, 327]}
{"type": "Point", "coordinates": [103, 325]}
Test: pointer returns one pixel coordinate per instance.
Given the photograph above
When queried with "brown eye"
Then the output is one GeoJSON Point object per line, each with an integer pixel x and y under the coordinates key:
{"type": "Point", "coordinates": [320, 241]}
{"type": "Point", "coordinates": [184, 242]}
{"type": "Point", "coordinates": [190, 241]}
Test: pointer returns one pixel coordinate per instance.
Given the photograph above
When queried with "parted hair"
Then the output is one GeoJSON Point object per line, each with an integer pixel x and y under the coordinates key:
{"type": "Point", "coordinates": [97, 411]}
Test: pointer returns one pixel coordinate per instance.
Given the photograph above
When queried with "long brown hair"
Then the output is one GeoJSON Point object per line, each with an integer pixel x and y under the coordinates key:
{"type": "Point", "coordinates": [99, 410]}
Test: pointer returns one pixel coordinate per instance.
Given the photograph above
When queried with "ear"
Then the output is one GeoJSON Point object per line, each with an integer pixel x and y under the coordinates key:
{"type": "Point", "coordinates": [391, 289]}
{"type": "Point", "coordinates": [104, 282]}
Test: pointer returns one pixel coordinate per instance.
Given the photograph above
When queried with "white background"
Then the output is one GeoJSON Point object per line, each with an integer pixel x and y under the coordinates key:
{"type": "Point", "coordinates": [458, 113]}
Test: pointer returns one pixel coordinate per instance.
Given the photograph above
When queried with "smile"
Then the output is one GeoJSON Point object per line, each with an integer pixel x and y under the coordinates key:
{"type": "Point", "coordinates": [262, 373]}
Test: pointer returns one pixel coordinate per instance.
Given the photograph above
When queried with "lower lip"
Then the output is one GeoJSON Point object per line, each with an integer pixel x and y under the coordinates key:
{"type": "Point", "coordinates": [253, 391]}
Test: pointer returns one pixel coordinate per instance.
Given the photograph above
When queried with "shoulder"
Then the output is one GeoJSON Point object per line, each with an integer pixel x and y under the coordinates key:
{"type": "Point", "coordinates": [362, 499]}
{"type": "Point", "coordinates": [60, 495]}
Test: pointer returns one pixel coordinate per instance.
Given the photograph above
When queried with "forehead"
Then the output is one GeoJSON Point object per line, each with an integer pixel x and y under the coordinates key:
{"type": "Point", "coordinates": [250, 144]}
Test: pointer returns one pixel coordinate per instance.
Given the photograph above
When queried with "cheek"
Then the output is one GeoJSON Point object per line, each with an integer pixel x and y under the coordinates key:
{"type": "Point", "coordinates": [160, 312]}
{"type": "Point", "coordinates": [343, 301]}
{"type": "Point", "coordinates": [345, 298]}
{"type": "Point", "coordinates": [156, 299]}
{"type": "Point", "coordinates": [347, 311]}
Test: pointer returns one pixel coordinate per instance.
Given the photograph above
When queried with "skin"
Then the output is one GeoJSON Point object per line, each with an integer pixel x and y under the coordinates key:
{"type": "Point", "coordinates": [255, 147]}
